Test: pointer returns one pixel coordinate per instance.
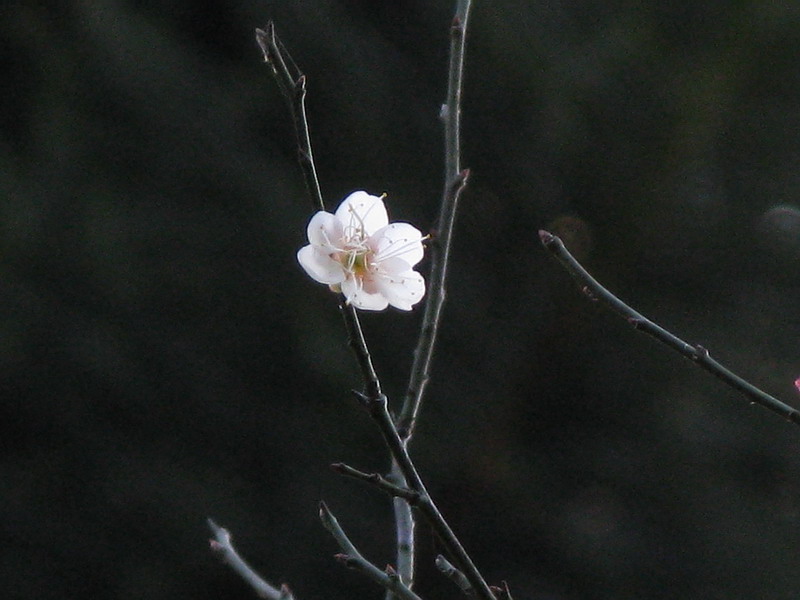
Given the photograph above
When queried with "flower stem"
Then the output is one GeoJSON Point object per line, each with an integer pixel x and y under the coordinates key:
{"type": "Point", "coordinates": [696, 353]}
{"type": "Point", "coordinates": [358, 345]}
{"type": "Point", "coordinates": [292, 84]}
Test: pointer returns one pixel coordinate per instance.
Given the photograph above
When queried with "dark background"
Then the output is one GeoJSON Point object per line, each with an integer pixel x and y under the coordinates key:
{"type": "Point", "coordinates": [163, 358]}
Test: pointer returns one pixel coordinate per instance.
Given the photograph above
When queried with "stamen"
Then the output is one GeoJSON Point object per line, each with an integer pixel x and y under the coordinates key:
{"type": "Point", "coordinates": [390, 252]}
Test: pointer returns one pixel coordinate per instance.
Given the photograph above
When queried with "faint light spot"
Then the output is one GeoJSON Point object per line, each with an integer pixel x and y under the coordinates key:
{"type": "Point", "coordinates": [779, 230]}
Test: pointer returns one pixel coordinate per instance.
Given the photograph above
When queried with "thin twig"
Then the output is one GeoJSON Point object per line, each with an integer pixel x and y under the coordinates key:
{"type": "Point", "coordinates": [696, 353]}
{"type": "Point", "coordinates": [352, 558]}
{"type": "Point", "coordinates": [223, 546]}
{"type": "Point", "coordinates": [425, 505]}
{"type": "Point", "coordinates": [355, 338]}
{"type": "Point", "coordinates": [502, 592]}
{"type": "Point", "coordinates": [292, 84]}
{"type": "Point", "coordinates": [449, 571]}
{"type": "Point", "coordinates": [378, 481]}
{"type": "Point", "coordinates": [454, 181]}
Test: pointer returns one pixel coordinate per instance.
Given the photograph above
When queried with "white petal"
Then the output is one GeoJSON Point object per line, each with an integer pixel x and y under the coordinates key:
{"type": "Point", "coordinates": [324, 230]}
{"type": "Point", "coordinates": [401, 240]}
{"type": "Point", "coordinates": [392, 266]}
{"type": "Point", "coordinates": [403, 290]}
{"type": "Point", "coordinates": [356, 296]}
{"type": "Point", "coordinates": [319, 266]}
{"type": "Point", "coordinates": [361, 209]}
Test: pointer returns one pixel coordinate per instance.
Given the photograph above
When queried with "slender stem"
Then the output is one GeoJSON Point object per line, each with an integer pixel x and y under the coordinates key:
{"type": "Point", "coordinates": [502, 592]}
{"type": "Point", "coordinates": [452, 116]}
{"type": "Point", "coordinates": [358, 344]}
{"type": "Point", "coordinates": [380, 482]}
{"type": "Point", "coordinates": [454, 182]}
{"type": "Point", "coordinates": [697, 354]}
{"type": "Point", "coordinates": [354, 560]}
{"type": "Point", "coordinates": [380, 414]}
{"type": "Point", "coordinates": [292, 84]}
{"type": "Point", "coordinates": [222, 545]}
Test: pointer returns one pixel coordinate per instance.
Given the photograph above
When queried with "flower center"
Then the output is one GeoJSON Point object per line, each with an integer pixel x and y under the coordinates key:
{"type": "Point", "coordinates": [356, 256]}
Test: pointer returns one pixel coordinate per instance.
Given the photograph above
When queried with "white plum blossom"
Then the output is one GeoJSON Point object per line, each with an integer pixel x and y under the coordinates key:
{"type": "Point", "coordinates": [357, 252]}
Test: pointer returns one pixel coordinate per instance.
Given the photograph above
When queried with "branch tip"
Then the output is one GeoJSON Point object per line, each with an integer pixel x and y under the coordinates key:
{"type": "Point", "coordinates": [286, 593]}
{"type": "Point", "coordinates": [261, 40]}
{"type": "Point", "coordinates": [362, 398]}
{"type": "Point", "coordinates": [696, 353]}
{"type": "Point", "coordinates": [547, 238]}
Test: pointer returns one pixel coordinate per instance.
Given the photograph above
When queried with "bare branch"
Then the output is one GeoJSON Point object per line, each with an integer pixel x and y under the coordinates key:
{"type": "Point", "coordinates": [222, 545]}
{"type": "Point", "coordinates": [378, 411]}
{"type": "Point", "coordinates": [696, 353]}
{"type": "Point", "coordinates": [454, 181]}
{"type": "Point", "coordinates": [353, 559]}
{"type": "Point", "coordinates": [355, 337]}
{"type": "Point", "coordinates": [292, 84]}
{"type": "Point", "coordinates": [378, 481]}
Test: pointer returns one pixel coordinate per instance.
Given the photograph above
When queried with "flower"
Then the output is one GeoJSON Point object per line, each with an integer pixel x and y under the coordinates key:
{"type": "Point", "coordinates": [357, 252]}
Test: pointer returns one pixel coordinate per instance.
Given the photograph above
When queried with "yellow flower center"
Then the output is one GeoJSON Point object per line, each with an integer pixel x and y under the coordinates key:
{"type": "Point", "coordinates": [356, 260]}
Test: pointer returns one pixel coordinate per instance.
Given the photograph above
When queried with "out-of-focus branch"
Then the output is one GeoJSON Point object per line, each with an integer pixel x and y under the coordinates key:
{"type": "Point", "coordinates": [696, 353]}
{"type": "Point", "coordinates": [353, 559]}
{"type": "Point", "coordinates": [454, 181]}
{"type": "Point", "coordinates": [222, 545]}
{"type": "Point", "coordinates": [404, 529]}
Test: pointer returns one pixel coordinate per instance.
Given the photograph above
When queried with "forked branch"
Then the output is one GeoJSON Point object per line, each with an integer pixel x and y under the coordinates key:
{"type": "Point", "coordinates": [353, 559]}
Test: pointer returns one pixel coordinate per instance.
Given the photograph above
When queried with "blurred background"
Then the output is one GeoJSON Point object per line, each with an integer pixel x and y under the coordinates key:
{"type": "Point", "coordinates": [164, 359]}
